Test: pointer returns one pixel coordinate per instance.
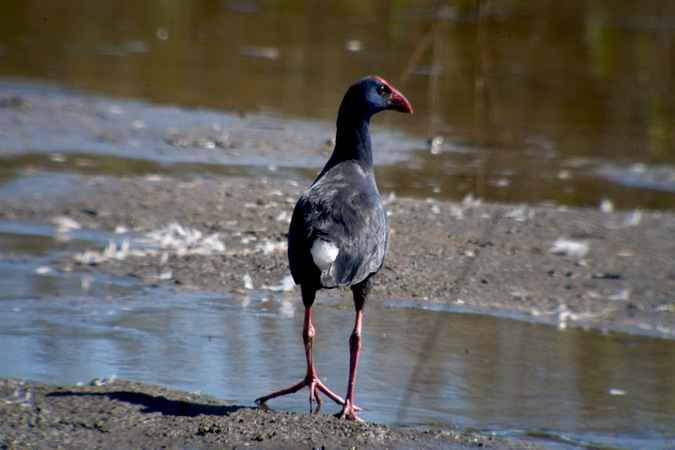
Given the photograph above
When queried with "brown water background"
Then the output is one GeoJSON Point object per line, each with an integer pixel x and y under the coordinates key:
{"type": "Point", "coordinates": [570, 102]}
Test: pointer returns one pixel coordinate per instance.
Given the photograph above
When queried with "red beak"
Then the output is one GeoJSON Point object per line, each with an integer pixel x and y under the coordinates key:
{"type": "Point", "coordinates": [397, 101]}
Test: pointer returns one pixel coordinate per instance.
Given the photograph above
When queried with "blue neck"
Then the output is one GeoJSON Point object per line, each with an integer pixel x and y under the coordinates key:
{"type": "Point", "coordinates": [352, 143]}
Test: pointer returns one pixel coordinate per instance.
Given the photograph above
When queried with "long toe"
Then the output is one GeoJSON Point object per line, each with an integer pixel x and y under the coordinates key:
{"type": "Point", "coordinates": [336, 398]}
{"type": "Point", "coordinates": [289, 390]}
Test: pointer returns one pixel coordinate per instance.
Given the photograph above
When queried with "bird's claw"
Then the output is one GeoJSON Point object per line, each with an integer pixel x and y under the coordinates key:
{"type": "Point", "coordinates": [315, 386]}
{"type": "Point", "coordinates": [262, 405]}
{"type": "Point", "coordinates": [349, 412]}
{"type": "Point", "coordinates": [351, 415]}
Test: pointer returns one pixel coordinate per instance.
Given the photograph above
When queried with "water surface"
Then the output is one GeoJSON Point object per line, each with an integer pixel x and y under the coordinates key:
{"type": "Point", "coordinates": [487, 373]}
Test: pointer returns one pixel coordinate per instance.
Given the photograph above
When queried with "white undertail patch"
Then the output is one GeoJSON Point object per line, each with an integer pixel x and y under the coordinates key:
{"type": "Point", "coordinates": [323, 253]}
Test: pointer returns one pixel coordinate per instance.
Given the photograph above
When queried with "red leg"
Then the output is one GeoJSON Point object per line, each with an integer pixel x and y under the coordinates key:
{"type": "Point", "coordinates": [311, 378]}
{"type": "Point", "coordinates": [349, 410]}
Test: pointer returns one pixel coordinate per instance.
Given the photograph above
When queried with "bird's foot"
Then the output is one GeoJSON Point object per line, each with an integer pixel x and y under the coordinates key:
{"type": "Point", "coordinates": [349, 412]}
{"type": "Point", "coordinates": [315, 386]}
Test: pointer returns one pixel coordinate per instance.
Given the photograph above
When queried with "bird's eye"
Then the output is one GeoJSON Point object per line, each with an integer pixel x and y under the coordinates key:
{"type": "Point", "coordinates": [382, 89]}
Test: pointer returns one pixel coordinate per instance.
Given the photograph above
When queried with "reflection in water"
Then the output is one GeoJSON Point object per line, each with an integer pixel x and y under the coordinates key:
{"type": "Point", "coordinates": [486, 372]}
{"type": "Point", "coordinates": [557, 86]}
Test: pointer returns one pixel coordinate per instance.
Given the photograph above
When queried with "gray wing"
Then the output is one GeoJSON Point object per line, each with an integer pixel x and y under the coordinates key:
{"type": "Point", "coordinates": [349, 213]}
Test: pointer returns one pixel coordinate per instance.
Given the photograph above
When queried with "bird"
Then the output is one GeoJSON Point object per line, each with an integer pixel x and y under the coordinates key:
{"type": "Point", "coordinates": [339, 231]}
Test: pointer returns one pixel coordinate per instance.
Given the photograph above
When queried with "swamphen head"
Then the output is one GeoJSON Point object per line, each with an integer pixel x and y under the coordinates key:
{"type": "Point", "coordinates": [369, 96]}
{"type": "Point", "coordinates": [365, 98]}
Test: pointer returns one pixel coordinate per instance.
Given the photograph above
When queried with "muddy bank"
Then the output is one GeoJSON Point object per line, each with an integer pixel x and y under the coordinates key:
{"type": "Point", "coordinates": [563, 265]}
{"type": "Point", "coordinates": [127, 414]}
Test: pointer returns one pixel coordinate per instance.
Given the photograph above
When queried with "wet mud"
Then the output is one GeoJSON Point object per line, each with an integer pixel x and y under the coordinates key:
{"type": "Point", "coordinates": [127, 414]}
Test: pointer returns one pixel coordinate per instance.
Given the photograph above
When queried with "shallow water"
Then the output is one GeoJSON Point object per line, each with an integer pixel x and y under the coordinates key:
{"type": "Point", "coordinates": [510, 377]}
{"type": "Point", "coordinates": [569, 102]}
